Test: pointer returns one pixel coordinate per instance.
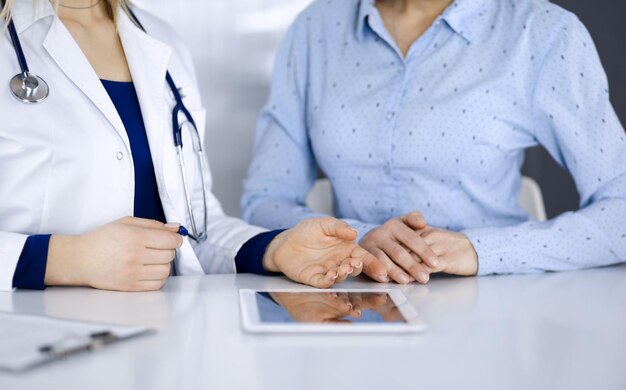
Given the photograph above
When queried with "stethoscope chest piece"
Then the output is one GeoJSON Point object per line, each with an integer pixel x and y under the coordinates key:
{"type": "Point", "coordinates": [29, 88]}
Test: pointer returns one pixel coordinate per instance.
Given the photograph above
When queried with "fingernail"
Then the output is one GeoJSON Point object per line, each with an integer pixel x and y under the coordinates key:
{"type": "Point", "coordinates": [404, 279]}
{"type": "Point", "coordinates": [383, 278]}
{"type": "Point", "coordinates": [335, 276]}
{"type": "Point", "coordinates": [434, 262]}
{"type": "Point", "coordinates": [349, 305]}
{"type": "Point", "coordinates": [351, 270]}
{"type": "Point", "coordinates": [359, 265]}
{"type": "Point", "coordinates": [172, 225]}
{"type": "Point", "coordinates": [354, 230]}
{"type": "Point", "coordinates": [423, 277]}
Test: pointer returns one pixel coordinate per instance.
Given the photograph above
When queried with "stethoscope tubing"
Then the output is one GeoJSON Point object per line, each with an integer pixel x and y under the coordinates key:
{"type": "Point", "coordinates": [17, 45]}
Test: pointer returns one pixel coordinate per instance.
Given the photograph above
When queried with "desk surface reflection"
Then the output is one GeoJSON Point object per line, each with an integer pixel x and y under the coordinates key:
{"type": "Point", "coordinates": [546, 331]}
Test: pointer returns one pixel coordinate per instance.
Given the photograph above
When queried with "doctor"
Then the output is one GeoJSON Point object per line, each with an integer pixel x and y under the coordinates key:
{"type": "Point", "coordinates": [90, 175]}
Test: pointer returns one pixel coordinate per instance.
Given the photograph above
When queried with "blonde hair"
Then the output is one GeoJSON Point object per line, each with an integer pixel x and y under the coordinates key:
{"type": "Point", "coordinates": [114, 8]}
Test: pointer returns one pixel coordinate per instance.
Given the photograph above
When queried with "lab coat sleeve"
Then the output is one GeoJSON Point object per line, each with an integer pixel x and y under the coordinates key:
{"type": "Point", "coordinates": [283, 169]}
{"type": "Point", "coordinates": [225, 237]}
{"type": "Point", "coordinates": [575, 122]}
{"type": "Point", "coordinates": [11, 246]}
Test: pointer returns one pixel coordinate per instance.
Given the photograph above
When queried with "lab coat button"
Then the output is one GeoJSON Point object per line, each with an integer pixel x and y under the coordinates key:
{"type": "Point", "coordinates": [120, 155]}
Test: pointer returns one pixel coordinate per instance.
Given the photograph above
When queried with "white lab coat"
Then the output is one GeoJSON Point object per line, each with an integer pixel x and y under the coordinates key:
{"type": "Point", "coordinates": [66, 165]}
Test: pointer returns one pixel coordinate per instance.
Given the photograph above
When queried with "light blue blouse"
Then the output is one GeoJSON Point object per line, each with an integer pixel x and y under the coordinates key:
{"type": "Point", "coordinates": [444, 130]}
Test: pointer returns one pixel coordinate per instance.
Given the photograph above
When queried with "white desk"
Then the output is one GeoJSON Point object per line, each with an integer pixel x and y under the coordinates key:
{"type": "Point", "coordinates": [553, 331]}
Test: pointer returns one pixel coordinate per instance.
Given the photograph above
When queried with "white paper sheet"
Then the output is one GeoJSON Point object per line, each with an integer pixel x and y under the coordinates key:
{"type": "Point", "coordinates": [22, 336]}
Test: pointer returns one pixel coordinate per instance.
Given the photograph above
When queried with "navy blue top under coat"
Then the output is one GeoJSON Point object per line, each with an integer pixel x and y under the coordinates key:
{"type": "Point", "coordinates": [147, 199]}
{"type": "Point", "coordinates": [31, 267]}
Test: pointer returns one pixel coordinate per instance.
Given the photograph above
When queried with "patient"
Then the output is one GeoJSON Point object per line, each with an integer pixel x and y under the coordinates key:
{"type": "Point", "coordinates": [419, 112]}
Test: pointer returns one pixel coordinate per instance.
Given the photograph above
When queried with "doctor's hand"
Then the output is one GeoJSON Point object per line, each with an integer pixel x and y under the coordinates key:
{"type": "Point", "coordinates": [321, 252]}
{"type": "Point", "coordinates": [130, 254]}
{"type": "Point", "coordinates": [400, 247]}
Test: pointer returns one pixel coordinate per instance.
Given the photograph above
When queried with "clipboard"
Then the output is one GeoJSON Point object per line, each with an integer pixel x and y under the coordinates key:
{"type": "Point", "coordinates": [28, 341]}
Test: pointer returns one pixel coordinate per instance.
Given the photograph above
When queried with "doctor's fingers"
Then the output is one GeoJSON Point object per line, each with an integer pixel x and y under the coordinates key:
{"type": "Point", "coordinates": [333, 227]}
{"type": "Point", "coordinates": [349, 268]}
{"type": "Point", "coordinates": [143, 223]}
{"type": "Point", "coordinates": [321, 280]}
{"type": "Point", "coordinates": [148, 285]}
{"type": "Point", "coordinates": [342, 274]}
{"type": "Point", "coordinates": [355, 267]}
{"type": "Point", "coordinates": [160, 239]}
{"type": "Point", "coordinates": [158, 256]}
{"type": "Point", "coordinates": [321, 275]}
{"type": "Point", "coordinates": [156, 272]}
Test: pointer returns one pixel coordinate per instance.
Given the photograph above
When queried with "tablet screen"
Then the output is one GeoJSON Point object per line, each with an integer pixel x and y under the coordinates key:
{"type": "Point", "coordinates": [327, 307]}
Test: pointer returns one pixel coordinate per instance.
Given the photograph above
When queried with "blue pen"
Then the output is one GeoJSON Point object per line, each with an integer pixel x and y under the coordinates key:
{"type": "Point", "coordinates": [183, 231]}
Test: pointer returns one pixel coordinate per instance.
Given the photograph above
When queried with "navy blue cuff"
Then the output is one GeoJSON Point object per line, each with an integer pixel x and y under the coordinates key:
{"type": "Point", "coordinates": [30, 272]}
{"type": "Point", "coordinates": [249, 259]}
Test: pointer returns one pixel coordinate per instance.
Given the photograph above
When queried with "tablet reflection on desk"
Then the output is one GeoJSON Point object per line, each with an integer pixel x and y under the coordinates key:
{"type": "Point", "coordinates": [327, 307]}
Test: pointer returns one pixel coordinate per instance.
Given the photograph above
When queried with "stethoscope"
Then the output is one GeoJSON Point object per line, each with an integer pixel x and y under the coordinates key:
{"type": "Point", "coordinates": [27, 87]}
{"type": "Point", "coordinates": [32, 89]}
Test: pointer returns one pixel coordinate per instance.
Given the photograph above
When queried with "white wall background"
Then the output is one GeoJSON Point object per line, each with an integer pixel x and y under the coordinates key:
{"type": "Point", "coordinates": [233, 44]}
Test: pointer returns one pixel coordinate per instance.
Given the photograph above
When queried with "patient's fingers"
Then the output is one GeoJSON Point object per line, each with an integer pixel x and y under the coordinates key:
{"type": "Point", "coordinates": [372, 267]}
{"type": "Point", "coordinates": [416, 244]}
{"type": "Point", "coordinates": [395, 272]}
{"type": "Point", "coordinates": [415, 220]}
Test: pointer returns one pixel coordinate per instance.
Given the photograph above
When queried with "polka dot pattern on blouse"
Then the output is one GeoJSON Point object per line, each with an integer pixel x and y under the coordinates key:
{"type": "Point", "coordinates": [444, 130]}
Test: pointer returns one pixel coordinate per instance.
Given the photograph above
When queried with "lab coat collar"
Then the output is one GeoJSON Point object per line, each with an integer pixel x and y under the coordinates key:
{"type": "Point", "coordinates": [70, 59]}
{"type": "Point", "coordinates": [147, 59]}
{"type": "Point", "coordinates": [458, 16]}
{"type": "Point", "coordinates": [25, 13]}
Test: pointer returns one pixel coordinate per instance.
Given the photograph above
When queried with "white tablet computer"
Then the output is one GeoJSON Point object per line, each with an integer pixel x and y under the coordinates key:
{"type": "Point", "coordinates": [328, 311]}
